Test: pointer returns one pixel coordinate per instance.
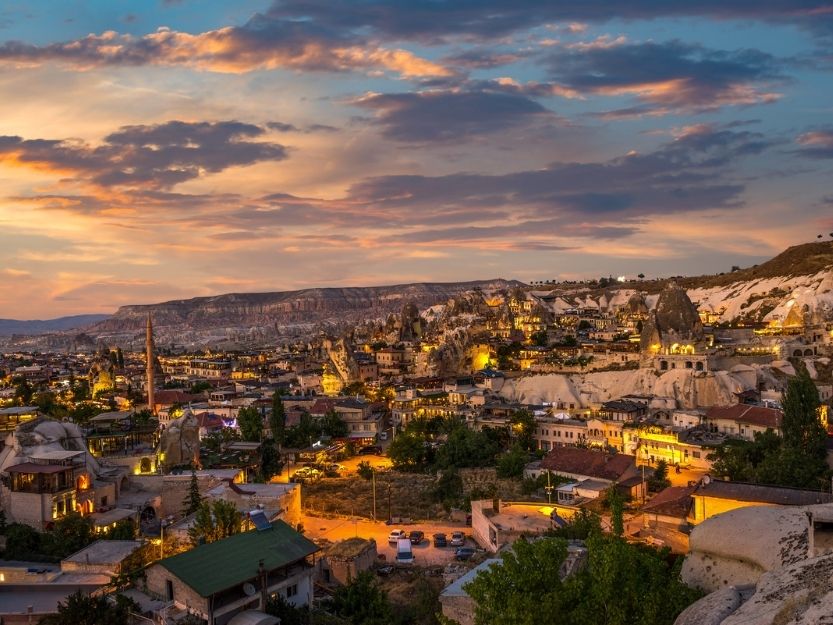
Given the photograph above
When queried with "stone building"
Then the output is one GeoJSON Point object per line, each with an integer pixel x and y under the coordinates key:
{"type": "Point", "coordinates": [220, 580]}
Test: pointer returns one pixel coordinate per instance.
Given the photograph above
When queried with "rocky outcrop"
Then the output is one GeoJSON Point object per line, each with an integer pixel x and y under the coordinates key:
{"type": "Point", "coordinates": [273, 313]}
{"type": "Point", "coordinates": [765, 565]}
{"type": "Point", "coordinates": [674, 320]}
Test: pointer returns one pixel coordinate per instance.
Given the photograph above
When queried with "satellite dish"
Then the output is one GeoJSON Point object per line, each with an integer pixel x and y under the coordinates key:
{"type": "Point", "coordinates": [249, 590]}
{"type": "Point", "coordinates": [707, 479]}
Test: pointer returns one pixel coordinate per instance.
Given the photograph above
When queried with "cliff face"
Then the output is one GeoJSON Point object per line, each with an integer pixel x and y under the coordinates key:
{"type": "Point", "coordinates": [305, 309]}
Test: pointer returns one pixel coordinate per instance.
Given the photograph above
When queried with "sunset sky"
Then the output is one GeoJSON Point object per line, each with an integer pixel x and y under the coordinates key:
{"type": "Point", "coordinates": [164, 149]}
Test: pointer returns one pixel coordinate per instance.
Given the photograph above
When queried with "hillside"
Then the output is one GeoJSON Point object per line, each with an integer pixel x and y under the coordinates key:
{"type": "Point", "coordinates": [61, 324]}
{"type": "Point", "coordinates": [262, 314]}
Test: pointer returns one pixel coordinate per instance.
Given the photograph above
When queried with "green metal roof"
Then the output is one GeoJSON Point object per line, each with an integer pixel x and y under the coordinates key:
{"type": "Point", "coordinates": [221, 565]}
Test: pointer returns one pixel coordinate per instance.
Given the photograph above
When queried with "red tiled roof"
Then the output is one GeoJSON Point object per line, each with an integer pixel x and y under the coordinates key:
{"type": "Point", "coordinates": [745, 413]}
{"type": "Point", "coordinates": [322, 406]}
{"type": "Point", "coordinates": [672, 501]}
{"type": "Point", "coordinates": [587, 462]}
{"type": "Point", "coordinates": [175, 396]}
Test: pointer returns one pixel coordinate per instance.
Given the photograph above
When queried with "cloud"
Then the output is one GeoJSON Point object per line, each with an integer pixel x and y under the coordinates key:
{"type": "Point", "coordinates": [261, 43]}
{"type": "Point", "coordinates": [817, 144]}
{"type": "Point", "coordinates": [156, 156]}
{"type": "Point", "coordinates": [441, 116]}
{"type": "Point", "coordinates": [430, 21]}
{"type": "Point", "coordinates": [691, 173]}
{"type": "Point", "coordinates": [666, 77]}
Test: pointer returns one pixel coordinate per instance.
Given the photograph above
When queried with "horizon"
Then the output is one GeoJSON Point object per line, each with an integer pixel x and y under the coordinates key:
{"type": "Point", "coordinates": [163, 151]}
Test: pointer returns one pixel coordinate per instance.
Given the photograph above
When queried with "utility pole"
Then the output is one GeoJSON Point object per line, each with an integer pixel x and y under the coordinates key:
{"type": "Point", "coordinates": [548, 488]}
{"type": "Point", "coordinates": [373, 478]}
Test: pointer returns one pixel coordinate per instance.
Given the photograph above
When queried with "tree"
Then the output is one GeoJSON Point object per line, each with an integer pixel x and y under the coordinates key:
{"type": "Point", "coordinates": [364, 470]}
{"type": "Point", "coordinates": [23, 392]}
{"type": "Point", "coordinates": [512, 463]}
{"type": "Point", "coordinates": [448, 489]}
{"type": "Point", "coordinates": [286, 612]}
{"type": "Point", "coordinates": [125, 529]}
{"type": "Point", "coordinates": [68, 535]}
{"type": "Point", "coordinates": [270, 460]}
{"type": "Point", "coordinates": [333, 425]}
{"type": "Point", "coordinates": [363, 602]}
{"type": "Point", "coordinates": [617, 507]}
{"type": "Point", "coordinates": [214, 521]}
{"type": "Point", "coordinates": [277, 419]}
{"type": "Point", "coordinates": [22, 542]}
{"type": "Point", "coordinates": [621, 584]}
{"type": "Point", "coordinates": [660, 478]}
{"type": "Point", "coordinates": [250, 424]}
{"type": "Point", "coordinates": [466, 448]}
{"type": "Point", "coordinates": [523, 429]}
{"type": "Point", "coordinates": [408, 452]}
{"type": "Point", "coordinates": [641, 276]}
{"type": "Point", "coordinates": [193, 498]}
{"type": "Point", "coordinates": [81, 609]}
{"type": "Point", "coordinates": [801, 426]}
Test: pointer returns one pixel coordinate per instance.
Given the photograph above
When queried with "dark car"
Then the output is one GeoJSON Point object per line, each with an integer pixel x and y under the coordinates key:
{"type": "Point", "coordinates": [370, 450]}
{"type": "Point", "coordinates": [440, 540]}
{"type": "Point", "coordinates": [464, 553]}
{"type": "Point", "coordinates": [416, 537]}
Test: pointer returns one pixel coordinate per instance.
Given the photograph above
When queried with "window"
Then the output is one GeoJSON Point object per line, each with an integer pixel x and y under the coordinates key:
{"type": "Point", "coordinates": [291, 591]}
{"type": "Point", "coordinates": [696, 454]}
{"type": "Point", "coordinates": [169, 590]}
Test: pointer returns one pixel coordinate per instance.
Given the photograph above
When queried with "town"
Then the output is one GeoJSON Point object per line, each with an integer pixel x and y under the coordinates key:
{"type": "Point", "coordinates": [380, 472]}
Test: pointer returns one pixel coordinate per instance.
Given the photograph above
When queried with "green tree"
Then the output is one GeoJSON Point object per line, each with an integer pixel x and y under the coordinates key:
{"type": "Point", "coordinates": [523, 429]}
{"type": "Point", "coordinates": [333, 425]}
{"type": "Point", "coordinates": [125, 529]}
{"type": "Point", "coordinates": [448, 489]}
{"type": "Point", "coordinates": [617, 510]}
{"type": "Point", "coordinates": [277, 419]}
{"type": "Point", "coordinates": [193, 498]}
{"type": "Point", "coordinates": [301, 435]}
{"type": "Point", "coordinates": [526, 585]}
{"type": "Point", "coordinates": [68, 535]}
{"type": "Point", "coordinates": [408, 452]}
{"type": "Point", "coordinates": [214, 521]}
{"type": "Point", "coordinates": [23, 392]}
{"type": "Point", "coordinates": [660, 478]}
{"type": "Point", "coordinates": [250, 424]}
{"type": "Point", "coordinates": [511, 464]}
{"type": "Point", "coordinates": [466, 448]}
{"type": "Point", "coordinates": [801, 426]}
{"type": "Point", "coordinates": [22, 542]}
{"type": "Point", "coordinates": [363, 602]}
{"type": "Point", "coordinates": [270, 460]}
{"type": "Point", "coordinates": [622, 584]}
{"type": "Point", "coordinates": [364, 470]}
{"type": "Point", "coordinates": [81, 609]}
{"type": "Point", "coordinates": [286, 612]}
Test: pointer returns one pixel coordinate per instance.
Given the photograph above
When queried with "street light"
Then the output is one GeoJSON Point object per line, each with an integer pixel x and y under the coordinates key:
{"type": "Point", "coordinates": [548, 489]}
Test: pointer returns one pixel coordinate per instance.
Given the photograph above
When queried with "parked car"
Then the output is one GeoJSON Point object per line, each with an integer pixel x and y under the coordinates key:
{"type": "Point", "coordinates": [416, 537]}
{"type": "Point", "coordinates": [404, 554]}
{"type": "Point", "coordinates": [464, 553]}
{"type": "Point", "coordinates": [383, 436]}
{"type": "Point", "coordinates": [395, 535]}
{"type": "Point", "coordinates": [458, 539]}
{"type": "Point", "coordinates": [440, 540]}
{"type": "Point", "coordinates": [371, 450]}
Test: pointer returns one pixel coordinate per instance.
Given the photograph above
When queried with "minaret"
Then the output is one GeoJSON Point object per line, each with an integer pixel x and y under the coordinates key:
{"type": "Point", "coordinates": [149, 365]}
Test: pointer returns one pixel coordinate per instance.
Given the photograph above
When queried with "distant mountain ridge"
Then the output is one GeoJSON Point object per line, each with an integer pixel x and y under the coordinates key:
{"type": "Point", "coordinates": [273, 311]}
{"type": "Point", "coordinates": [38, 326]}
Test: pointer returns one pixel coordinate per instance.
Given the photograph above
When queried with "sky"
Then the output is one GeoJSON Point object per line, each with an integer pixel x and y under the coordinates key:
{"type": "Point", "coordinates": [153, 150]}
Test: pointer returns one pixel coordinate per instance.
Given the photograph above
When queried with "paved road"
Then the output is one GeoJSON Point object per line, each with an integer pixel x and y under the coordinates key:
{"type": "Point", "coordinates": [424, 553]}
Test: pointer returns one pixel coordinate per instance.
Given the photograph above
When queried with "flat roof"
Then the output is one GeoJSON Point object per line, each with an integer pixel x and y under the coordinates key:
{"type": "Point", "coordinates": [119, 415]}
{"type": "Point", "coordinates": [105, 552]}
{"type": "Point", "coordinates": [102, 519]}
{"type": "Point", "coordinates": [455, 589]}
{"type": "Point", "coordinates": [55, 455]}
{"type": "Point", "coordinates": [18, 410]}
{"type": "Point", "coordinates": [779, 495]}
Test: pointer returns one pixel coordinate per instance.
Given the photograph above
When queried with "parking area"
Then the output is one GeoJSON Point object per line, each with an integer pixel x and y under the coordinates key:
{"type": "Point", "coordinates": [425, 553]}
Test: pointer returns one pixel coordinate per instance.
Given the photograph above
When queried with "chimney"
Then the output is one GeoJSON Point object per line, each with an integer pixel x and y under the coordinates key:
{"type": "Point", "coordinates": [263, 579]}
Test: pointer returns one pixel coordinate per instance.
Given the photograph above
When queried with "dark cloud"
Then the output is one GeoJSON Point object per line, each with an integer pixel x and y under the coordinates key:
{"type": "Point", "coordinates": [665, 76]}
{"type": "Point", "coordinates": [484, 58]}
{"type": "Point", "coordinates": [691, 173]}
{"type": "Point", "coordinates": [432, 116]}
{"type": "Point", "coordinates": [154, 156]}
{"type": "Point", "coordinates": [430, 20]}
